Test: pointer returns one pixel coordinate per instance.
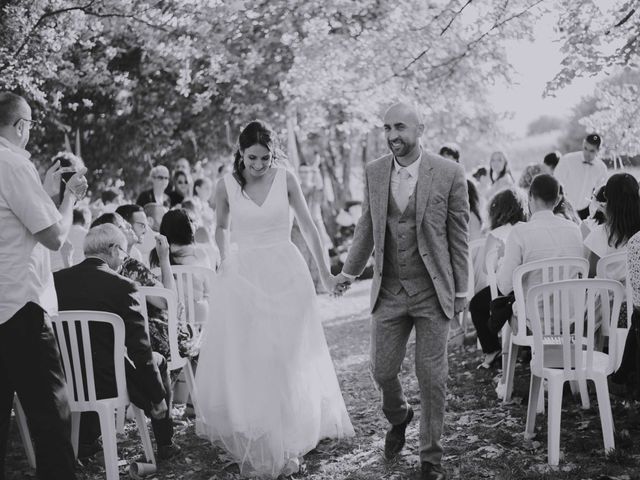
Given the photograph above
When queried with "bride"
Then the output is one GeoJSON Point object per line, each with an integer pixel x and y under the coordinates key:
{"type": "Point", "coordinates": [265, 382]}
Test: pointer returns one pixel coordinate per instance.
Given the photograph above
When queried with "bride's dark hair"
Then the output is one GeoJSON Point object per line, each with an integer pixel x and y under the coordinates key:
{"type": "Point", "coordinates": [255, 133]}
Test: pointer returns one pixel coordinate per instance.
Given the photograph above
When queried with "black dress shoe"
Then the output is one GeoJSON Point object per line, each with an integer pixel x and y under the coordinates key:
{"type": "Point", "coordinates": [394, 441]}
{"type": "Point", "coordinates": [432, 472]}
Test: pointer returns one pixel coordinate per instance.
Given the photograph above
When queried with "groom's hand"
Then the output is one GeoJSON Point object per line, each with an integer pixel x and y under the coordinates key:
{"type": "Point", "coordinates": [459, 305]}
{"type": "Point", "coordinates": [342, 284]}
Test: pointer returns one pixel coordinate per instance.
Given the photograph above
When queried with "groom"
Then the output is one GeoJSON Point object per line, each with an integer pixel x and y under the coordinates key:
{"type": "Point", "coordinates": [414, 220]}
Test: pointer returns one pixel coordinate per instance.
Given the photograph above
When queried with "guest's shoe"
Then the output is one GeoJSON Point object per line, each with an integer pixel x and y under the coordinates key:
{"type": "Point", "coordinates": [432, 472]}
{"type": "Point", "coordinates": [490, 359]}
{"type": "Point", "coordinates": [394, 441]}
{"type": "Point", "coordinates": [167, 452]}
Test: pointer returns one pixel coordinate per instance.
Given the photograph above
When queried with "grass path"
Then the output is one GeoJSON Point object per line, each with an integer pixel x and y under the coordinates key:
{"type": "Point", "coordinates": [483, 439]}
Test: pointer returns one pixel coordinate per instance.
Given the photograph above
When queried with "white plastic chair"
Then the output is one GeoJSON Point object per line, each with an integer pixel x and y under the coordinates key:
{"type": "Point", "coordinates": [176, 360]}
{"type": "Point", "coordinates": [186, 276]}
{"type": "Point", "coordinates": [609, 267]}
{"type": "Point", "coordinates": [563, 350]}
{"type": "Point", "coordinates": [550, 270]}
{"type": "Point", "coordinates": [23, 428]}
{"type": "Point", "coordinates": [81, 388]}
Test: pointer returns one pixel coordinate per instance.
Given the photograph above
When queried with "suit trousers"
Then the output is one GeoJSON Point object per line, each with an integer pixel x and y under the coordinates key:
{"type": "Point", "coordinates": [30, 365]}
{"type": "Point", "coordinates": [393, 318]}
{"type": "Point", "coordinates": [162, 428]}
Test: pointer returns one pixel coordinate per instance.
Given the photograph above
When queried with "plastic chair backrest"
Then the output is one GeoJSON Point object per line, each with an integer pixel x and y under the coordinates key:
{"type": "Point", "coordinates": [187, 277]}
{"type": "Point", "coordinates": [574, 302]}
{"type": "Point", "coordinates": [608, 267]}
{"type": "Point", "coordinates": [176, 361]}
{"type": "Point", "coordinates": [78, 367]}
{"type": "Point", "coordinates": [550, 270]}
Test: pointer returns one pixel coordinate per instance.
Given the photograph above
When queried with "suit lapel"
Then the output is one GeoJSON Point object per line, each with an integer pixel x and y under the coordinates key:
{"type": "Point", "coordinates": [379, 198]}
{"type": "Point", "coordinates": [423, 188]}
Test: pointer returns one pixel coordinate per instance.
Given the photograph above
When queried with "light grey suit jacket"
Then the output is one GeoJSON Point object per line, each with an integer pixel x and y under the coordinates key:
{"type": "Point", "coordinates": [442, 218]}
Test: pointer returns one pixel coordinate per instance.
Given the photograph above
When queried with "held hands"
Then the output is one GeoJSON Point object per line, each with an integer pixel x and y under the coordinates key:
{"type": "Point", "coordinates": [338, 285]}
{"type": "Point", "coordinates": [77, 184]}
{"type": "Point", "coordinates": [159, 410]}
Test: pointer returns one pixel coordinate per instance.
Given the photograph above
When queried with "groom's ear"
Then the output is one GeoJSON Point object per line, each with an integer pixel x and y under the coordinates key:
{"type": "Point", "coordinates": [420, 129]}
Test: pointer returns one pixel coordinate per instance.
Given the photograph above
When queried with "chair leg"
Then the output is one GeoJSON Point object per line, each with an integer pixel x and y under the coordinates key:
{"type": "Point", "coordinates": [75, 431]}
{"type": "Point", "coordinates": [191, 385]}
{"type": "Point", "coordinates": [121, 417]}
{"type": "Point", "coordinates": [554, 417]}
{"type": "Point", "coordinates": [540, 406]}
{"type": "Point", "coordinates": [141, 422]}
{"type": "Point", "coordinates": [584, 393]}
{"type": "Point", "coordinates": [510, 373]}
{"type": "Point", "coordinates": [534, 394]}
{"type": "Point", "coordinates": [606, 418]}
{"type": "Point", "coordinates": [25, 436]}
{"type": "Point", "coordinates": [506, 343]}
{"type": "Point", "coordinates": [109, 443]}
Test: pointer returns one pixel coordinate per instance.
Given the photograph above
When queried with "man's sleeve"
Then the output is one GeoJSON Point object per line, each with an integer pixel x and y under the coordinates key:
{"type": "Point", "coordinates": [458, 232]}
{"type": "Point", "coordinates": [138, 345]}
{"type": "Point", "coordinates": [362, 244]}
{"type": "Point", "coordinates": [27, 199]}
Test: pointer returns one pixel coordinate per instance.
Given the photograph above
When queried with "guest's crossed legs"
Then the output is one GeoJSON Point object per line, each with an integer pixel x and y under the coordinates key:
{"type": "Point", "coordinates": [392, 321]}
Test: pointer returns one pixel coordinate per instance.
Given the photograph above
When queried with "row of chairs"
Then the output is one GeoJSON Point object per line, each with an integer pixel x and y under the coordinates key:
{"type": "Point", "coordinates": [546, 320]}
{"type": "Point", "coordinates": [73, 333]}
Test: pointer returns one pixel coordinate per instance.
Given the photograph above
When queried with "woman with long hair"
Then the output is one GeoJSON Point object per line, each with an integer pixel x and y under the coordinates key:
{"type": "Point", "coordinates": [475, 219]}
{"type": "Point", "coordinates": [265, 383]}
{"type": "Point", "coordinates": [499, 173]}
{"type": "Point", "coordinates": [622, 220]}
{"type": "Point", "coordinates": [506, 209]}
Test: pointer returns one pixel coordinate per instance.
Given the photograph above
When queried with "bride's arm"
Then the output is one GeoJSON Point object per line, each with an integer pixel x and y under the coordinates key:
{"type": "Point", "coordinates": [308, 227]}
{"type": "Point", "coordinates": [222, 219]}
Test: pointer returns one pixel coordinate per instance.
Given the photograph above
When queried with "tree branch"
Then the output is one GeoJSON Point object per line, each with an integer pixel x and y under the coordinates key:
{"type": "Point", "coordinates": [455, 15]}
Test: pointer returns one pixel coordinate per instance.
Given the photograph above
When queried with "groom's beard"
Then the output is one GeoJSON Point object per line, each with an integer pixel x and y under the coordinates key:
{"type": "Point", "coordinates": [399, 147]}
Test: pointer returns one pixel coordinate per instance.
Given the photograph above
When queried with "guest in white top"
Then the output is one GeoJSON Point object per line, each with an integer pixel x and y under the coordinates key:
{"type": "Point", "coordinates": [544, 236]}
{"type": "Point", "coordinates": [597, 207]}
{"type": "Point", "coordinates": [505, 210]}
{"type": "Point", "coordinates": [499, 173]}
{"type": "Point", "coordinates": [622, 221]}
{"type": "Point", "coordinates": [581, 172]}
{"type": "Point", "coordinates": [72, 251]}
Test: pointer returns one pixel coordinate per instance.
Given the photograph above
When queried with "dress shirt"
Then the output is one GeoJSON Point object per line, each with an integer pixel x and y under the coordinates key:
{"type": "Point", "coordinates": [412, 170]}
{"type": "Point", "coordinates": [633, 267]}
{"type": "Point", "coordinates": [579, 178]}
{"type": "Point", "coordinates": [25, 209]}
{"type": "Point", "coordinates": [544, 236]}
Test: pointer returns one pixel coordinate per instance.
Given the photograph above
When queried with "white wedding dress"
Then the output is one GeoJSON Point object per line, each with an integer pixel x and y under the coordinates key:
{"type": "Point", "coordinates": [266, 385]}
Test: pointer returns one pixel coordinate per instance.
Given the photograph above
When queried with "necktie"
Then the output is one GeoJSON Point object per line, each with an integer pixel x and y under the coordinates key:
{"type": "Point", "coordinates": [403, 193]}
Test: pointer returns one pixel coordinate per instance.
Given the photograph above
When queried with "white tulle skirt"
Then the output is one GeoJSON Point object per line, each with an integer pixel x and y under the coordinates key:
{"type": "Point", "coordinates": [266, 385]}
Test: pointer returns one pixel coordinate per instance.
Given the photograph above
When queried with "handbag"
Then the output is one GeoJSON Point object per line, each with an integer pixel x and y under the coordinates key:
{"type": "Point", "coordinates": [500, 312]}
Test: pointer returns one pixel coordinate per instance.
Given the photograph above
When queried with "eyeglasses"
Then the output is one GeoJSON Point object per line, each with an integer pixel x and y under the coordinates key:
{"type": "Point", "coordinates": [160, 177]}
{"type": "Point", "coordinates": [31, 123]}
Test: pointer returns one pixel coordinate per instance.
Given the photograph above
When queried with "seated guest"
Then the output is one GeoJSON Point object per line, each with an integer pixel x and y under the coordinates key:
{"type": "Point", "coordinates": [564, 209]}
{"type": "Point", "coordinates": [110, 199]}
{"type": "Point", "coordinates": [143, 277]}
{"type": "Point", "coordinates": [202, 191]}
{"type": "Point", "coordinates": [529, 173]}
{"type": "Point", "coordinates": [551, 160]}
{"type": "Point", "coordinates": [597, 207]}
{"type": "Point", "coordinates": [629, 371]}
{"type": "Point", "coordinates": [154, 213]}
{"type": "Point", "coordinates": [450, 151]}
{"type": "Point", "coordinates": [134, 215]}
{"type": "Point", "coordinates": [481, 176]}
{"type": "Point", "coordinates": [622, 220]}
{"type": "Point", "coordinates": [95, 285]}
{"type": "Point", "coordinates": [72, 251]}
{"type": "Point", "coordinates": [159, 183]}
{"type": "Point", "coordinates": [506, 209]}
{"type": "Point", "coordinates": [544, 236]}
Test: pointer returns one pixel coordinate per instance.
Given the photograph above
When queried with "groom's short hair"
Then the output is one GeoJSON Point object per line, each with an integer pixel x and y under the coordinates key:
{"type": "Point", "coordinates": [545, 187]}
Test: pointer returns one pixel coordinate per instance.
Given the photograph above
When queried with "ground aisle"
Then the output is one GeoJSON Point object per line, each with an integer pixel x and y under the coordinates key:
{"type": "Point", "coordinates": [483, 439]}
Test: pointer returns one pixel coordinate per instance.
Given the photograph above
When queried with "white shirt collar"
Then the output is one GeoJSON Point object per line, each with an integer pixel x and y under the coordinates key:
{"type": "Point", "coordinates": [412, 169]}
{"type": "Point", "coordinates": [14, 148]}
